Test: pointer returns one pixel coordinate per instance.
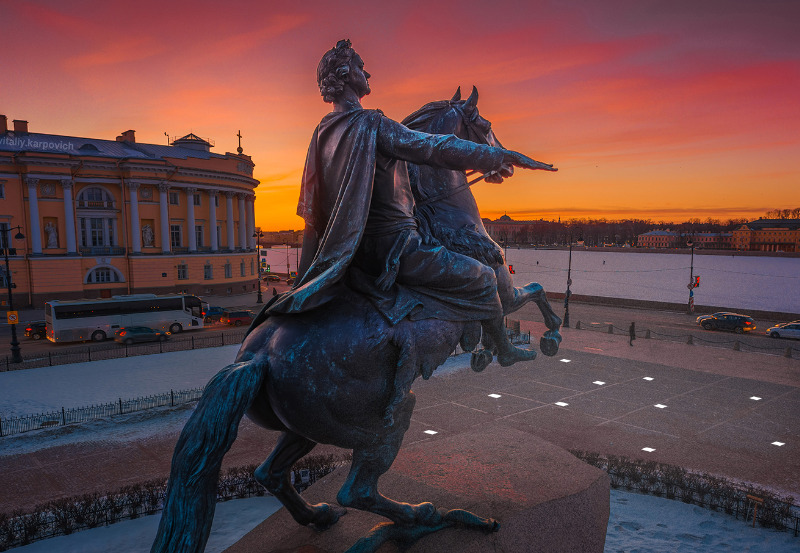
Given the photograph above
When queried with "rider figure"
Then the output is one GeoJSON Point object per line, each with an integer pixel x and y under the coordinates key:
{"type": "Point", "coordinates": [358, 207]}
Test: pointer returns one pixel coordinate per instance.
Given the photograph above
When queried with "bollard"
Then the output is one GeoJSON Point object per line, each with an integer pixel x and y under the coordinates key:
{"type": "Point", "coordinates": [611, 329]}
{"type": "Point", "coordinates": [578, 326]}
{"type": "Point", "coordinates": [788, 353]}
{"type": "Point", "coordinates": [736, 346]}
{"type": "Point", "coordinates": [647, 334]}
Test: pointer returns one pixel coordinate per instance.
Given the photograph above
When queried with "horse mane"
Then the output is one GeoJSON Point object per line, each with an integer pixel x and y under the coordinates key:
{"type": "Point", "coordinates": [426, 117]}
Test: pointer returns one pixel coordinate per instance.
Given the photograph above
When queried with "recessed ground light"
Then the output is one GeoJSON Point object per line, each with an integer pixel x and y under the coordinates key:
{"type": "Point", "coordinates": [431, 432]}
{"type": "Point", "coordinates": [755, 398]}
{"type": "Point", "coordinates": [648, 378]}
{"type": "Point", "coordinates": [779, 444]}
{"type": "Point", "coordinates": [561, 404]}
{"type": "Point", "coordinates": [598, 382]}
{"type": "Point", "coordinates": [595, 323]}
{"type": "Point", "coordinates": [648, 449]}
{"type": "Point", "coordinates": [565, 360]}
{"type": "Point", "coordinates": [660, 406]}
{"type": "Point", "coordinates": [495, 395]}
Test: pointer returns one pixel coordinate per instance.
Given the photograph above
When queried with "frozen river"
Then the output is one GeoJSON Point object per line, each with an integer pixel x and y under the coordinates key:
{"type": "Point", "coordinates": [731, 281]}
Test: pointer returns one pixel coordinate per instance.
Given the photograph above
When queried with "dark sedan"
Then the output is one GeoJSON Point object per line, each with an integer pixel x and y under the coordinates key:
{"type": "Point", "coordinates": [36, 330]}
{"type": "Point", "coordinates": [132, 334]}
{"type": "Point", "coordinates": [725, 320]}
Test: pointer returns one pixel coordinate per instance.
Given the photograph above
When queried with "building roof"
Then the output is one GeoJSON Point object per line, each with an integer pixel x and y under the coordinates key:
{"type": "Point", "coordinates": [71, 145]}
{"type": "Point", "coordinates": [760, 224]}
{"type": "Point", "coordinates": [660, 233]}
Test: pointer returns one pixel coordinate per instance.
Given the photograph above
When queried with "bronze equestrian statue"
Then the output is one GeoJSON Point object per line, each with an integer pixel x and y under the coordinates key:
{"type": "Point", "coordinates": [376, 304]}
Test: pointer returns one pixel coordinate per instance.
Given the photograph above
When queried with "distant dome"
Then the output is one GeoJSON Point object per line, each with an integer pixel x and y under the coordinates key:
{"type": "Point", "coordinates": [505, 218]}
{"type": "Point", "coordinates": [193, 142]}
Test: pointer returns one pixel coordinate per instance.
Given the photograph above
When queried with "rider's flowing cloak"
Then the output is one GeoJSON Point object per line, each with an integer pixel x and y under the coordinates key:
{"type": "Point", "coordinates": [338, 214]}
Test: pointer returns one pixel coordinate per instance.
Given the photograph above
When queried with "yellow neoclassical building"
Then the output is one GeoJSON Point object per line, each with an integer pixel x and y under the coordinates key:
{"type": "Point", "coordinates": [106, 217]}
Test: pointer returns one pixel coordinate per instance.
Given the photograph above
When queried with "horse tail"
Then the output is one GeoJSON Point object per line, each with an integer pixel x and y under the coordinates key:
{"type": "Point", "coordinates": [208, 435]}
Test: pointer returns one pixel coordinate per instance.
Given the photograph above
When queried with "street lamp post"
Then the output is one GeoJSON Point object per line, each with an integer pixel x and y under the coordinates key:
{"type": "Point", "coordinates": [257, 235]}
{"type": "Point", "coordinates": [16, 356]}
{"type": "Point", "coordinates": [569, 283]}
{"type": "Point", "coordinates": [690, 308]}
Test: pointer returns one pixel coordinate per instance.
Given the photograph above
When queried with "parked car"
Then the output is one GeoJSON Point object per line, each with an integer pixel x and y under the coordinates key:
{"type": "Point", "coordinates": [785, 330]}
{"type": "Point", "coordinates": [36, 330]}
{"type": "Point", "coordinates": [725, 320]}
{"type": "Point", "coordinates": [131, 334]}
{"type": "Point", "coordinates": [272, 278]}
{"type": "Point", "coordinates": [213, 314]}
{"type": "Point", "coordinates": [237, 318]}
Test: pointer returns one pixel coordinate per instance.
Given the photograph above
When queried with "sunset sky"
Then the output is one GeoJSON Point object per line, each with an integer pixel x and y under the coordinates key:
{"type": "Point", "coordinates": [661, 110]}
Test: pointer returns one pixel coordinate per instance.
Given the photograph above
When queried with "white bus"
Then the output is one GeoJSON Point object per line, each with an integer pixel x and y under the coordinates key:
{"type": "Point", "coordinates": [81, 320]}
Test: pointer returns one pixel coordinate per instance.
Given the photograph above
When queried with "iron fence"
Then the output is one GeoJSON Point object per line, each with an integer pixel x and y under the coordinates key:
{"type": "Point", "coordinates": [113, 350]}
{"type": "Point", "coordinates": [26, 423]}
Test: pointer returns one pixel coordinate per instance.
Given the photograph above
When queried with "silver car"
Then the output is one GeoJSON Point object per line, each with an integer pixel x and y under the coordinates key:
{"type": "Point", "coordinates": [785, 330]}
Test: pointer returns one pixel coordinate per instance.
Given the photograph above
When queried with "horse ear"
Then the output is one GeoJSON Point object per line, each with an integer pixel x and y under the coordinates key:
{"type": "Point", "coordinates": [457, 96]}
{"type": "Point", "coordinates": [472, 101]}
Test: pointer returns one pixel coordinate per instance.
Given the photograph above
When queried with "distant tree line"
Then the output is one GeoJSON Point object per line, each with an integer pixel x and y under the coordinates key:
{"type": "Point", "coordinates": [597, 232]}
{"type": "Point", "coordinates": [783, 214]}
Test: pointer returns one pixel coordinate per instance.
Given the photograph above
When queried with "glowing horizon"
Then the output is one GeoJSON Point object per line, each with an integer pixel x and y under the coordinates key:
{"type": "Point", "coordinates": [650, 110]}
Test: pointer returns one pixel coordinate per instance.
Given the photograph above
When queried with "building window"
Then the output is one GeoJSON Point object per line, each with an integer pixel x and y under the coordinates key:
{"type": "Point", "coordinates": [174, 199]}
{"type": "Point", "coordinates": [95, 197]}
{"type": "Point", "coordinates": [243, 269]}
{"type": "Point", "coordinates": [197, 199]}
{"type": "Point", "coordinates": [219, 235]}
{"type": "Point", "coordinates": [183, 271]}
{"type": "Point", "coordinates": [175, 236]}
{"type": "Point", "coordinates": [228, 270]}
{"type": "Point", "coordinates": [2, 190]}
{"type": "Point", "coordinates": [252, 267]}
{"type": "Point", "coordinates": [101, 275]}
{"type": "Point", "coordinates": [208, 271]}
{"type": "Point", "coordinates": [97, 231]}
{"type": "Point", "coordinates": [198, 235]}
{"type": "Point", "coordinates": [4, 231]}
{"type": "Point", "coordinates": [216, 201]}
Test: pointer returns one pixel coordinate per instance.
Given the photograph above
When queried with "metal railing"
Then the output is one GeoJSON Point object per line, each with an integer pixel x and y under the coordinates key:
{"type": "Point", "coordinates": [26, 423]}
{"type": "Point", "coordinates": [112, 350]}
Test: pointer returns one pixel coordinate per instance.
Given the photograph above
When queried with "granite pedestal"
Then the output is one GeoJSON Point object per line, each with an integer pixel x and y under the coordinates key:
{"type": "Point", "coordinates": [544, 498]}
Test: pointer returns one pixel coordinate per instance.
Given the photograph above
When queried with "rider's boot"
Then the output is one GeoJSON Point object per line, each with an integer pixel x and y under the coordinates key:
{"type": "Point", "coordinates": [507, 353]}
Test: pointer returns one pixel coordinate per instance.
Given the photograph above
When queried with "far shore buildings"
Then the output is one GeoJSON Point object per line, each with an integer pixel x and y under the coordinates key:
{"type": "Point", "coordinates": [763, 235]}
{"type": "Point", "coordinates": [106, 217]}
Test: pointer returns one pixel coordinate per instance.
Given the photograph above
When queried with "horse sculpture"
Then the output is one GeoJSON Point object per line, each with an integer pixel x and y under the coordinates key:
{"type": "Point", "coordinates": [329, 376]}
{"type": "Point", "coordinates": [448, 213]}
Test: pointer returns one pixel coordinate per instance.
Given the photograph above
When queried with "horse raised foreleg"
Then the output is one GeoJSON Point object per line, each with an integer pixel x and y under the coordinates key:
{"type": "Point", "coordinates": [512, 298]}
{"type": "Point", "coordinates": [274, 473]}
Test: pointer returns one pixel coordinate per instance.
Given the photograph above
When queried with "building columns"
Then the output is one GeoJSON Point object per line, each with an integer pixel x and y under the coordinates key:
{"type": "Point", "coordinates": [229, 225]}
{"type": "Point", "coordinates": [242, 223]}
{"type": "Point", "coordinates": [136, 233]}
{"type": "Point", "coordinates": [212, 215]}
{"type": "Point", "coordinates": [69, 216]}
{"type": "Point", "coordinates": [190, 220]}
{"type": "Point", "coordinates": [33, 208]}
{"type": "Point", "coordinates": [163, 200]}
{"type": "Point", "coordinates": [251, 222]}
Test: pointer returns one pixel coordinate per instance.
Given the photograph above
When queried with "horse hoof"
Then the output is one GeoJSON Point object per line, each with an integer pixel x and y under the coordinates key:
{"type": "Point", "coordinates": [480, 360]}
{"type": "Point", "coordinates": [427, 515]}
{"type": "Point", "coordinates": [326, 515]}
{"type": "Point", "coordinates": [549, 342]}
